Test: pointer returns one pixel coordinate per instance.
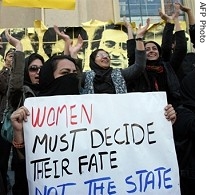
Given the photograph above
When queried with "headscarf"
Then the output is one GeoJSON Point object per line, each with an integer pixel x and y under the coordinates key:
{"type": "Point", "coordinates": [102, 81]}
{"type": "Point", "coordinates": [155, 71]}
{"type": "Point", "coordinates": [154, 62]}
{"type": "Point", "coordinates": [28, 61]}
{"type": "Point", "coordinates": [64, 85]}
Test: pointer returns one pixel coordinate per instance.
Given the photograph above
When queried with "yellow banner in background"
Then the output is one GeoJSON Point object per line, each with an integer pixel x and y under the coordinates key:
{"type": "Point", "coordinates": [53, 4]}
{"type": "Point", "coordinates": [40, 24]}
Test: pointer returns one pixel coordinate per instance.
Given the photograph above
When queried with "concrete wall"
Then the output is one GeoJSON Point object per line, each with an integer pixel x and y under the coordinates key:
{"type": "Point", "coordinates": [12, 17]}
{"type": "Point", "coordinates": [104, 10]}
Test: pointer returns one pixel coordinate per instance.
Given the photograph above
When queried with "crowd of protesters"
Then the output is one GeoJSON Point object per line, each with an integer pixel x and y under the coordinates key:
{"type": "Point", "coordinates": [151, 67]}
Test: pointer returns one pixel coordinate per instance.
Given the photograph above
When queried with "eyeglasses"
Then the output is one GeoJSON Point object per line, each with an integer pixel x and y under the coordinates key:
{"type": "Point", "coordinates": [102, 55]}
{"type": "Point", "coordinates": [34, 68]}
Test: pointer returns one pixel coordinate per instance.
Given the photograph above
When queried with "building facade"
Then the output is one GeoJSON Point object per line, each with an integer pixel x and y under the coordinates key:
{"type": "Point", "coordinates": [98, 21]}
{"type": "Point", "coordinates": [103, 10]}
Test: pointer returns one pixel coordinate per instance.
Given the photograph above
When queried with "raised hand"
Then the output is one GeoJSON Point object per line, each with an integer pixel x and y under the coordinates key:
{"type": "Point", "coordinates": [129, 28]}
{"type": "Point", "coordinates": [69, 48]}
{"type": "Point", "coordinates": [142, 30]}
{"type": "Point", "coordinates": [182, 7]}
{"type": "Point", "coordinates": [13, 41]}
{"type": "Point", "coordinates": [163, 16]}
{"type": "Point", "coordinates": [75, 49]}
{"type": "Point", "coordinates": [64, 36]}
{"type": "Point", "coordinates": [126, 23]}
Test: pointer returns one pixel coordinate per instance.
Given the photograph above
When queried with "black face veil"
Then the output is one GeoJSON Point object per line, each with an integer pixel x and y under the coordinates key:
{"type": "Point", "coordinates": [64, 85]}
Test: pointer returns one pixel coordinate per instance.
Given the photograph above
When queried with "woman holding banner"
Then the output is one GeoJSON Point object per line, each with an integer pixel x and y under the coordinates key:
{"type": "Point", "coordinates": [53, 78]}
{"type": "Point", "coordinates": [49, 79]}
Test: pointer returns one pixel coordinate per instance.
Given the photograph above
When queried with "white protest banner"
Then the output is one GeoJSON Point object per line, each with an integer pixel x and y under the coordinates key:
{"type": "Point", "coordinates": [100, 144]}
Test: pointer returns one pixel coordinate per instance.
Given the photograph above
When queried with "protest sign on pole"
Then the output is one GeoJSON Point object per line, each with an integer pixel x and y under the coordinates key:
{"type": "Point", "coordinates": [100, 144]}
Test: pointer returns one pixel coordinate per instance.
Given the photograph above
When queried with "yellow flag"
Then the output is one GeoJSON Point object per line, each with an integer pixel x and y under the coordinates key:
{"type": "Point", "coordinates": [53, 4]}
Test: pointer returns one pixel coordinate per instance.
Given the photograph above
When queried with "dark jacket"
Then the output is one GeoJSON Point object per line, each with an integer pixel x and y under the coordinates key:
{"type": "Point", "coordinates": [16, 90]}
{"type": "Point", "coordinates": [182, 68]}
{"type": "Point", "coordinates": [184, 135]}
{"type": "Point", "coordinates": [16, 79]}
{"type": "Point", "coordinates": [4, 80]}
{"type": "Point", "coordinates": [10, 82]}
{"type": "Point", "coordinates": [192, 34]}
{"type": "Point", "coordinates": [167, 40]}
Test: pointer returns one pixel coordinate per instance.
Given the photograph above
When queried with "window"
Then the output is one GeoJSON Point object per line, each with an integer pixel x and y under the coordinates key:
{"type": "Point", "coordinates": [139, 10]}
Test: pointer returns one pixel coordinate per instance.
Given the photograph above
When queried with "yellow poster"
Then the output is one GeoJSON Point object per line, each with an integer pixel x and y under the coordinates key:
{"type": "Point", "coordinates": [54, 4]}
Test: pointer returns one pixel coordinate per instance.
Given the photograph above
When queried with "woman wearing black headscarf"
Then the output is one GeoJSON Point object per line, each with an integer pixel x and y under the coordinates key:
{"type": "Point", "coordinates": [102, 78]}
{"type": "Point", "coordinates": [29, 79]}
{"type": "Point", "coordinates": [33, 64]}
{"type": "Point", "coordinates": [159, 73]}
{"type": "Point", "coordinates": [59, 76]}
{"type": "Point", "coordinates": [23, 83]}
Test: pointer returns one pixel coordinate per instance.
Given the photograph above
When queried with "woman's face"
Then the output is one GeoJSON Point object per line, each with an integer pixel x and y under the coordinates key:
{"type": "Point", "coordinates": [102, 59]}
{"type": "Point", "coordinates": [9, 59]}
{"type": "Point", "coordinates": [152, 52]}
{"type": "Point", "coordinates": [33, 70]}
{"type": "Point", "coordinates": [64, 67]}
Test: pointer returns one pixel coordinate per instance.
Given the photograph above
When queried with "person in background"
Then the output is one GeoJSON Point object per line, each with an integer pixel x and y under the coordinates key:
{"type": "Point", "coordinates": [102, 78]}
{"type": "Point", "coordinates": [2, 187]}
{"type": "Point", "coordinates": [169, 41]}
{"type": "Point", "coordinates": [30, 79]}
{"type": "Point", "coordinates": [5, 146]}
{"type": "Point", "coordinates": [25, 76]}
{"type": "Point", "coordinates": [188, 64]}
{"type": "Point", "coordinates": [184, 128]}
{"type": "Point", "coordinates": [33, 64]}
{"type": "Point", "coordinates": [12, 56]}
{"type": "Point", "coordinates": [191, 20]}
{"type": "Point", "coordinates": [184, 135]}
{"type": "Point", "coordinates": [159, 75]}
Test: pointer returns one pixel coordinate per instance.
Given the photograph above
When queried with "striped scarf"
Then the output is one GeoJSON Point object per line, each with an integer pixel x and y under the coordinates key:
{"type": "Point", "coordinates": [117, 78]}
